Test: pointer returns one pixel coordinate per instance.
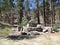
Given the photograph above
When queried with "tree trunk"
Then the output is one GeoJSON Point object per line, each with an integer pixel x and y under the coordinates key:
{"type": "Point", "coordinates": [26, 8]}
{"type": "Point", "coordinates": [59, 10]}
{"type": "Point", "coordinates": [52, 12]}
{"type": "Point", "coordinates": [21, 15]}
{"type": "Point", "coordinates": [20, 4]}
{"type": "Point", "coordinates": [11, 17]}
{"type": "Point", "coordinates": [3, 19]}
{"type": "Point", "coordinates": [44, 12]}
{"type": "Point", "coordinates": [37, 1]}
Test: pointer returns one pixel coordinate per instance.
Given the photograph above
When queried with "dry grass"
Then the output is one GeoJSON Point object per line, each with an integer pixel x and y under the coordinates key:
{"type": "Point", "coordinates": [46, 39]}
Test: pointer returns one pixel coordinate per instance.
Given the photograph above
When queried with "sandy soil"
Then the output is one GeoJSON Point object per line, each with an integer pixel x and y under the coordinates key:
{"type": "Point", "coordinates": [46, 39]}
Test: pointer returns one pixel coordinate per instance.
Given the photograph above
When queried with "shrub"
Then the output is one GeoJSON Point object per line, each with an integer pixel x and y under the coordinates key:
{"type": "Point", "coordinates": [54, 28]}
{"type": "Point", "coordinates": [5, 32]}
{"type": "Point", "coordinates": [24, 21]}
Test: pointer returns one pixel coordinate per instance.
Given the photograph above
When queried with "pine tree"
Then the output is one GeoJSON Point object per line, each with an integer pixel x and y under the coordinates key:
{"type": "Point", "coordinates": [37, 5]}
{"type": "Point", "coordinates": [11, 6]}
{"type": "Point", "coordinates": [20, 9]}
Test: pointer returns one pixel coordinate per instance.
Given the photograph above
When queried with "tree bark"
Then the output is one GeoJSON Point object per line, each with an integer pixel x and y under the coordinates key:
{"type": "Point", "coordinates": [52, 12]}
{"type": "Point", "coordinates": [26, 8]}
{"type": "Point", "coordinates": [11, 17]}
{"type": "Point", "coordinates": [44, 12]}
{"type": "Point", "coordinates": [20, 4]}
{"type": "Point", "coordinates": [37, 1]}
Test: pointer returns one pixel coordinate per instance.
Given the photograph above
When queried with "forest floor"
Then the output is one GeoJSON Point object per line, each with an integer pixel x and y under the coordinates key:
{"type": "Point", "coordinates": [46, 39]}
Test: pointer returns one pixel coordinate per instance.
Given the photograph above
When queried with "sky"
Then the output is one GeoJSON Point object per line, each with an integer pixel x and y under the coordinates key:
{"type": "Point", "coordinates": [31, 3]}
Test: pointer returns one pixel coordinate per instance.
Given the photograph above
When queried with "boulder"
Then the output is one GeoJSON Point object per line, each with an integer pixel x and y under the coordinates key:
{"type": "Point", "coordinates": [34, 33]}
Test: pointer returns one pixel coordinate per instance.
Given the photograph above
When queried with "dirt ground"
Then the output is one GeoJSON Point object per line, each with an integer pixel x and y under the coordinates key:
{"type": "Point", "coordinates": [46, 39]}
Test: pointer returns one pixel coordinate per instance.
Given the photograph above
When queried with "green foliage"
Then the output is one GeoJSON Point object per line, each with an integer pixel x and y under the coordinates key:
{"type": "Point", "coordinates": [6, 5]}
{"type": "Point", "coordinates": [4, 32]}
{"type": "Point", "coordinates": [55, 26]}
{"type": "Point", "coordinates": [24, 21]}
{"type": "Point", "coordinates": [58, 10]}
{"type": "Point", "coordinates": [20, 9]}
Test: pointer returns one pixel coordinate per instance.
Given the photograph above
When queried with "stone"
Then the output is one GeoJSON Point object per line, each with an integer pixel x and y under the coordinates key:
{"type": "Point", "coordinates": [38, 25]}
{"type": "Point", "coordinates": [45, 29]}
{"type": "Point", "coordinates": [35, 33]}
